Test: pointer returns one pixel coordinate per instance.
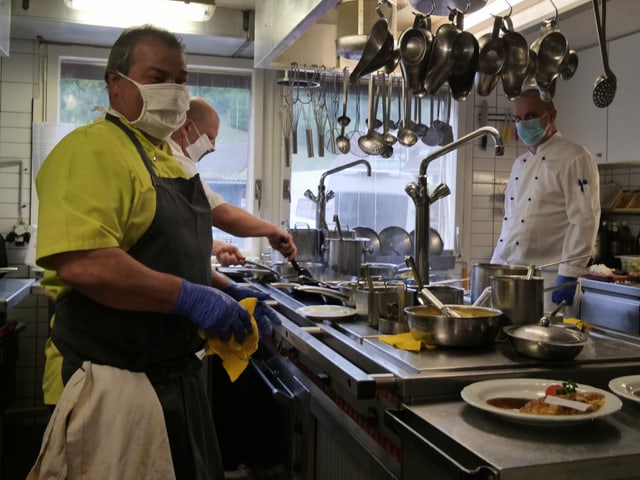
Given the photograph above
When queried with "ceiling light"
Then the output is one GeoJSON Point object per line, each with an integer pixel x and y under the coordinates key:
{"type": "Point", "coordinates": [525, 13]}
{"type": "Point", "coordinates": [144, 11]}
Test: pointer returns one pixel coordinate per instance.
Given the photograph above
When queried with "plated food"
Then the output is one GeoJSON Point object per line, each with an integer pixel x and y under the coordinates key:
{"type": "Point", "coordinates": [522, 400]}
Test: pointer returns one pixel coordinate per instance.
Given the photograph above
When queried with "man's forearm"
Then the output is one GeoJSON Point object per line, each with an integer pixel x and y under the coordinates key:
{"type": "Point", "coordinates": [113, 278]}
{"type": "Point", "coordinates": [240, 223]}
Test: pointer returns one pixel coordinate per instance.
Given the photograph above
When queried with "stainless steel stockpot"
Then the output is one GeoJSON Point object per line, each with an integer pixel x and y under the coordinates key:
{"type": "Point", "coordinates": [482, 272]}
{"type": "Point", "coordinates": [345, 256]}
{"type": "Point", "coordinates": [520, 298]}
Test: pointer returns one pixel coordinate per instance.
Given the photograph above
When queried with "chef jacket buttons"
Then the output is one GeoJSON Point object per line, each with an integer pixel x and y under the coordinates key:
{"type": "Point", "coordinates": [511, 198]}
{"type": "Point", "coordinates": [522, 221]}
{"type": "Point", "coordinates": [536, 178]}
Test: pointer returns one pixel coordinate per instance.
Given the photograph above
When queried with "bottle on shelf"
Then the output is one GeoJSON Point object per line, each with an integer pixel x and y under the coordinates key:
{"type": "Point", "coordinates": [615, 244]}
{"type": "Point", "coordinates": [626, 238]}
{"type": "Point", "coordinates": [602, 243]}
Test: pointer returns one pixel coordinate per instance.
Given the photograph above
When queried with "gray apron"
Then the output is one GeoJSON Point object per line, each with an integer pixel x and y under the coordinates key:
{"type": "Point", "coordinates": [178, 242]}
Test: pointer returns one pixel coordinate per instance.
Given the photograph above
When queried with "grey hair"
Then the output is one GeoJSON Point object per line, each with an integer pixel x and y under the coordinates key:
{"type": "Point", "coordinates": [120, 55]}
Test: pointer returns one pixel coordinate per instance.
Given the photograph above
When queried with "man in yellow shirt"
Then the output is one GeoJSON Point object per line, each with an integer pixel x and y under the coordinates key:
{"type": "Point", "coordinates": [125, 239]}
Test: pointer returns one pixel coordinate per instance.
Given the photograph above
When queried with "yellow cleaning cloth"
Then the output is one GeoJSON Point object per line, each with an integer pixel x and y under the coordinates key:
{"type": "Point", "coordinates": [405, 341]}
{"type": "Point", "coordinates": [234, 355]}
{"type": "Point", "coordinates": [582, 326]}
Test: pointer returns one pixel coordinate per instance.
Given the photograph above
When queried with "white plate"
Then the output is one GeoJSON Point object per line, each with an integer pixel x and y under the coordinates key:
{"type": "Point", "coordinates": [322, 312]}
{"type": "Point", "coordinates": [478, 393]}
{"type": "Point", "coordinates": [626, 387]}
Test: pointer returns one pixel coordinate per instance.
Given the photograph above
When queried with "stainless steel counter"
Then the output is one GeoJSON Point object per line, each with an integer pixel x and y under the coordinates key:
{"type": "Point", "coordinates": [369, 380]}
{"type": "Point", "coordinates": [605, 448]}
{"type": "Point", "coordinates": [13, 291]}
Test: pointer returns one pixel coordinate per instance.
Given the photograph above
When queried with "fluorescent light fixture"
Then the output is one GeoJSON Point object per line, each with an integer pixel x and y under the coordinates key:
{"type": "Point", "coordinates": [144, 11]}
{"type": "Point", "coordinates": [526, 13]}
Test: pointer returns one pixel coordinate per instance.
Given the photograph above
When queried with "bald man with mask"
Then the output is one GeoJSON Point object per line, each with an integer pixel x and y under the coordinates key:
{"type": "Point", "coordinates": [190, 143]}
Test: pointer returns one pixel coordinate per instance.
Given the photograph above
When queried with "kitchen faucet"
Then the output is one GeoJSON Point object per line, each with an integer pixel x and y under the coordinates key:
{"type": "Point", "coordinates": [322, 198]}
{"type": "Point", "coordinates": [420, 195]}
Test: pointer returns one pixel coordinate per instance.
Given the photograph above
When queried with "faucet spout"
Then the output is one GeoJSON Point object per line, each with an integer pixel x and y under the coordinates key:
{"type": "Point", "coordinates": [344, 167]}
{"type": "Point", "coordinates": [499, 148]}
{"type": "Point", "coordinates": [421, 244]}
{"type": "Point", "coordinates": [323, 197]}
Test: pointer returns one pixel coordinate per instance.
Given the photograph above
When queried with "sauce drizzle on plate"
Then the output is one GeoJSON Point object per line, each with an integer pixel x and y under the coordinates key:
{"type": "Point", "coordinates": [510, 403]}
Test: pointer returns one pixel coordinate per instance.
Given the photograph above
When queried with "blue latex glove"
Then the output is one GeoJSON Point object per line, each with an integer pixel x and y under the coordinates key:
{"type": "Point", "coordinates": [218, 314]}
{"type": "Point", "coordinates": [565, 293]}
{"type": "Point", "coordinates": [265, 317]}
{"type": "Point", "coordinates": [239, 293]}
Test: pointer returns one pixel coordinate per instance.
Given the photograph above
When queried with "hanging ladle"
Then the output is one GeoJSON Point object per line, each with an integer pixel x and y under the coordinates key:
{"type": "Point", "coordinates": [406, 136]}
{"type": "Point", "coordinates": [533, 268]}
{"type": "Point", "coordinates": [342, 141]}
{"type": "Point", "coordinates": [425, 293]}
{"type": "Point", "coordinates": [372, 142]}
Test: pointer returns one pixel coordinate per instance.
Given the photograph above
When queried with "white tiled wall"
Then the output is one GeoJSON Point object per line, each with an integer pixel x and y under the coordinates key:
{"type": "Point", "coordinates": [18, 82]}
{"type": "Point", "coordinates": [489, 175]}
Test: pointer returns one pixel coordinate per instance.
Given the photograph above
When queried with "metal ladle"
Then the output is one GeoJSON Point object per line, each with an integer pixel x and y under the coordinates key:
{"type": "Point", "coordinates": [425, 293]}
{"type": "Point", "coordinates": [533, 268]}
{"type": "Point", "coordinates": [342, 141]}
{"type": "Point", "coordinates": [373, 142]}
{"type": "Point", "coordinates": [406, 136]}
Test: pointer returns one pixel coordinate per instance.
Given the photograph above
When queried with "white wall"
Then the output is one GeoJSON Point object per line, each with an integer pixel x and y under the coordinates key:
{"type": "Point", "coordinates": [19, 85]}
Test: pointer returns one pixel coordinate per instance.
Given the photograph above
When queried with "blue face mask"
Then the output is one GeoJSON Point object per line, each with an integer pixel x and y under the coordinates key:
{"type": "Point", "coordinates": [531, 131]}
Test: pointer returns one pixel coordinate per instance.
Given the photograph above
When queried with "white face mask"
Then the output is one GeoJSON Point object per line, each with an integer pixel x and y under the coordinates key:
{"type": "Point", "coordinates": [164, 107]}
{"type": "Point", "coordinates": [200, 147]}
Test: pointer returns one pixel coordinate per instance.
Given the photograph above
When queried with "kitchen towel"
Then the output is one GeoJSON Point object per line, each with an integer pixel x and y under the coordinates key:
{"type": "Point", "coordinates": [405, 341]}
{"type": "Point", "coordinates": [92, 401]}
{"type": "Point", "coordinates": [235, 355]}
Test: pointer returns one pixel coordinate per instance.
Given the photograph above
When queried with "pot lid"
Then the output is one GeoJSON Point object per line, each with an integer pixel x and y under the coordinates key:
{"type": "Point", "coordinates": [554, 334]}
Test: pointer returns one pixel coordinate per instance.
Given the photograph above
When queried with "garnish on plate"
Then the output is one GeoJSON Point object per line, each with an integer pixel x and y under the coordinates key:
{"type": "Point", "coordinates": [556, 389]}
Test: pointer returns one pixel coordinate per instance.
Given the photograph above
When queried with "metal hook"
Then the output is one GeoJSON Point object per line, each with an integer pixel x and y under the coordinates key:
{"type": "Point", "coordinates": [433, 7]}
{"type": "Point", "coordinates": [555, 18]}
{"type": "Point", "coordinates": [510, 8]}
{"type": "Point", "coordinates": [468, 7]}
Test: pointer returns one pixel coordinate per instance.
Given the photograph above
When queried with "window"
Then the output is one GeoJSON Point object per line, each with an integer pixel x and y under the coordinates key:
{"type": "Point", "coordinates": [82, 87]}
{"type": "Point", "coordinates": [378, 201]}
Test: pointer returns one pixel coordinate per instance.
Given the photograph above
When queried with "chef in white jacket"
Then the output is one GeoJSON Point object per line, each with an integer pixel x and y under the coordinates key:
{"type": "Point", "coordinates": [552, 201]}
